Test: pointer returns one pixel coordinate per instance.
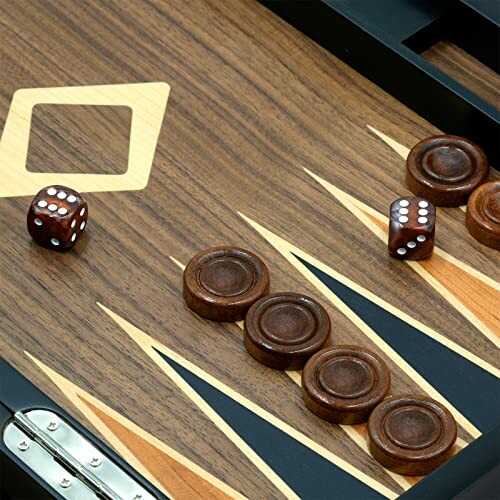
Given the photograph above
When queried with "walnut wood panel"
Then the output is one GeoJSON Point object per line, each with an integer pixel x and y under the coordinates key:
{"type": "Point", "coordinates": [466, 69]}
{"type": "Point", "coordinates": [253, 102]}
{"type": "Point", "coordinates": [81, 139]}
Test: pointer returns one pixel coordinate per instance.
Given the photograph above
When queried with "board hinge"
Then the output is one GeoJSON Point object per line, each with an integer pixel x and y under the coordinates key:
{"type": "Point", "coordinates": [66, 460]}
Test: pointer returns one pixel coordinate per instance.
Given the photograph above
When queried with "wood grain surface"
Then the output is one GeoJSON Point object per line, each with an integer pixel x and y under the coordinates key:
{"type": "Point", "coordinates": [82, 139]}
{"type": "Point", "coordinates": [253, 102]}
{"type": "Point", "coordinates": [467, 70]}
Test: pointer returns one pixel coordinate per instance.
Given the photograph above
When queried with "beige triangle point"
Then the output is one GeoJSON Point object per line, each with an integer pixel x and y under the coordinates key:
{"type": "Point", "coordinates": [182, 482]}
{"type": "Point", "coordinates": [359, 209]}
{"type": "Point", "coordinates": [178, 263]}
{"type": "Point", "coordinates": [288, 251]}
{"type": "Point", "coordinates": [150, 346]}
{"type": "Point", "coordinates": [128, 439]}
{"type": "Point", "coordinates": [396, 146]}
{"type": "Point", "coordinates": [474, 306]}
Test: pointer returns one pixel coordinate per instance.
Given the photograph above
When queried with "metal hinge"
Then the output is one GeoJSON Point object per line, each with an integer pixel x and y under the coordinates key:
{"type": "Point", "coordinates": [66, 460]}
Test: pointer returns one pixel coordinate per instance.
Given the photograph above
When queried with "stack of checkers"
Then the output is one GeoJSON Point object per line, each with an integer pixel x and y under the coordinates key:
{"type": "Point", "coordinates": [450, 171]}
{"type": "Point", "coordinates": [344, 384]}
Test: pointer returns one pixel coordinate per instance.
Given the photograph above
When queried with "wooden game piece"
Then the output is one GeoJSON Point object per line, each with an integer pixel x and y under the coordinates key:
{"type": "Point", "coordinates": [221, 283]}
{"type": "Point", "coordinates": [445, 169]}
{"type": "Point", "coordinates": [411, 228]}
{"type": "Point", "coordinates": [57, 216]}
{"type": "Point", "coordinates": [284, 330]}
{"type": "Point", "coordinates": [483, 214]}
{"type": "Point", "coordinates": [411, 435]}
{"type": "Point", "coordinates": [344, 383]}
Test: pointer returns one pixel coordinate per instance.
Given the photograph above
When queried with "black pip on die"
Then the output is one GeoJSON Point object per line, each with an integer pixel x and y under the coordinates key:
{"type": "Point", "coordinates": [411, 228]}
{"type": "Point", "coordinates": [56, 217]}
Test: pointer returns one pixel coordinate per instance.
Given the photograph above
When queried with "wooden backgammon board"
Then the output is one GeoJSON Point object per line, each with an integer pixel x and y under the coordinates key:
{"type": "Point", "coordinates": [189, 125]}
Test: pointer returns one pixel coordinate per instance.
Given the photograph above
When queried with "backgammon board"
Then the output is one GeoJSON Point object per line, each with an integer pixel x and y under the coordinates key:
{"type": "Point", "coordinates": [188, 125]}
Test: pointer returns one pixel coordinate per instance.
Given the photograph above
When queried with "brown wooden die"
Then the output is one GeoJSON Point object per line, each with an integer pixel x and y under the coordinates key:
{"type": "Point", "coordinates": [411, 228]}
{"type": "Point", "coordinates": [56, 217]}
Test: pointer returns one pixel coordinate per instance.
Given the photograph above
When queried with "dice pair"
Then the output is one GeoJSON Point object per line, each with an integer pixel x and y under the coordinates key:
{"type": "Point", "coordinates": [411, 228]}
{"type": "Point", "coordinates": [57, 217]}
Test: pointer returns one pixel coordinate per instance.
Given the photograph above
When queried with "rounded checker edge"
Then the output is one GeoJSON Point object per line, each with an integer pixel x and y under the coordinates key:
{"type": "Point", "coordinates": [344, 383]}
{"type": "Point", "coordinates": [483, 214]}
{"type": "Point", "coordinates": [446, 169]}
{"type": "Point", "coordinates": [283, 330]}
{"type": "Point", "coordinates": [411, 434]}
{"type": "Point", "coordinates": [221, 283]}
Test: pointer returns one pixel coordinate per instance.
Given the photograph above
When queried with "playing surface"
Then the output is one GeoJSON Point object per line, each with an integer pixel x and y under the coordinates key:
{"type": "Point", "coordinates": [270, 143]}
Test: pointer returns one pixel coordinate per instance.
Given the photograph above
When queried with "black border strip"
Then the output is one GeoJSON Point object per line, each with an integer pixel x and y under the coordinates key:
{"type": "Point", "coordinates": [464, 469]}
{"type": "Point", "coordinates": [397, 69]}
{"type": "Point", "coordinates": [17, 393]}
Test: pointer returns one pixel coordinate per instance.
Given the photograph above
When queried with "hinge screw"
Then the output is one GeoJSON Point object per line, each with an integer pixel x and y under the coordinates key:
{"type": "Point", "coordinates": [65, 483]}
{"type": "Point", "coordinates": [23, 445]}
{"type": "Point", "coordinates": [52, 426]}
{"type": "Point", "coordinates": [95, 462]}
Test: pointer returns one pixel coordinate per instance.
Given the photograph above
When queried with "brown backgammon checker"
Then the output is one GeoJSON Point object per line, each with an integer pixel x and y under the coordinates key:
{"type": "Point", "coordinates": [344, 383]}
{"type": "Point", "coordinates": [284, 330]}
{"type": "Point", "coordinates": [221, 283]}
{"type": "Point", "coordinates": [411, 435]}
{"type": "Point", "coordinates": [483, 214]}
{"type": "Point", "coordinates": [446, 169]}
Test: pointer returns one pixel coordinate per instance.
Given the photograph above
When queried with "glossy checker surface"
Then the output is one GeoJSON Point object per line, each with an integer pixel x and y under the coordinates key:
{"type": "Point", "coordinates": [343, 384]}
{"type": "Point", "coordinates": [411, 434]}
{"type": "Point", "coordinates": [446, 169]}
{"type": "Point", "coordinates": [483, 214]}
{"type": "Point", "coordinates": [221, 283]}
{"type": "Point", "coordinates": [243, 133]}
{"type": "Point", "coordinates": [283, 330]}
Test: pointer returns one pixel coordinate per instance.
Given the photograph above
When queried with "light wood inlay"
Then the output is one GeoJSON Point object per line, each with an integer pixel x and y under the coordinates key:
{"type": "Point", "coordinates": [175, 477]}
{"type": "Point", "coordinates": [253, 102]}
{"type": "Point", "coordinates": [478, 295]}
{"type": "Point", "coordinates": [289, 252]}
{"type": "Point", "coordinates": [129, 441]}
{"type": "Point", "coordinates": [148, 102]}
{"type": "Point", "coordinates": [480, 310]}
